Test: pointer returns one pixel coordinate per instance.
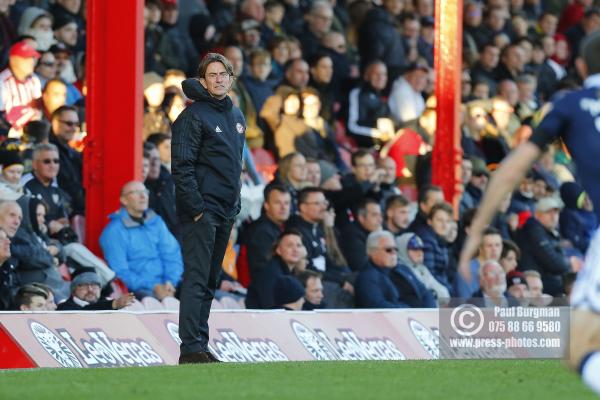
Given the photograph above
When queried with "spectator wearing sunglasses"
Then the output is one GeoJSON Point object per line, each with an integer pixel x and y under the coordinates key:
{"type": "Point", "coordinates": [374, 286]}
{"type": "Point", "coordinates": [65, 125]}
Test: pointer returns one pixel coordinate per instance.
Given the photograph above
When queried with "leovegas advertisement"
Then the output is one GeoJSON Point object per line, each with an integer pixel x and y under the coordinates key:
{"type": "Point", "coordinates": [82, 340]}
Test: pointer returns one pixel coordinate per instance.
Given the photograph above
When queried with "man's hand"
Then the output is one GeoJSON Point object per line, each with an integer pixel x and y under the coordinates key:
{"type": "Point", "coordinates": [53, 250]}
{"type": "Point", "coordinates": [347, 286]}
{"type": "Point", "coordinates": [161, 291]}
{"type": "Point", "coordinates": [170, 288]}
{"type": "Point", "coordinates": [227, 286]}
{"type": "Point", "coordinates": [123, 301]}
{"type": "Point", "coordinates": [198, 217]}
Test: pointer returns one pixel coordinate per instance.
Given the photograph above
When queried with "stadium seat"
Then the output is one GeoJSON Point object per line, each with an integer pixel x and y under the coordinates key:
{"type": "Point", "coordinates": [216, 305]}
{"type": "Point", "coordinates": [230, 304]}
{"type": "Point", "coordinates": [135, 306]}
{"type": "Point", "coordinates": [152, 304]}
{"type": "Point", "coordinates": [170, 303]}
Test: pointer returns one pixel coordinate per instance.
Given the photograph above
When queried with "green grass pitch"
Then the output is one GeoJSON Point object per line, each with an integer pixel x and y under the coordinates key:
{"type": "Point", "coordinates": [465, 380]}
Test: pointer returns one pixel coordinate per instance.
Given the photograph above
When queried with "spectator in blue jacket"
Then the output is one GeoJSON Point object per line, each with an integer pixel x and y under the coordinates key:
{"type": "Point", "coordinates": [577, 220]}
{"type": "Point", "coordinates": [374, 287]}
{"type": "Point", "coordinates": [139, 247]}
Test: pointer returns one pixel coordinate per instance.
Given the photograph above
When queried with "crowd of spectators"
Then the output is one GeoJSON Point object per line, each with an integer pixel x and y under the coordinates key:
{"type": "Point", "coordinates": [338, 209]}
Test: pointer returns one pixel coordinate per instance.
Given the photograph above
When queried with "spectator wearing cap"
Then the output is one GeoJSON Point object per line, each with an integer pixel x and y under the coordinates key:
{"type": "Point", "coordinates": [85, 294]}
{"type": "Point", "coordinates": [544, 253]}
{"type": "Point", "coordinates": [354, 234]}
{"type": "Point", "coordinates": [516, 286]}
{"type": "Point", "coordinates": [411, 253]}
{"type": "Point", "coordinates": [19, 88]}
{"type": "Point", "coordinates": [288, 294]}
{"type": "Point", "coordinates": [12, 170]}
{"type": "Point", "coordinates": [37, 22]}
{"type": "Point", "coordinates": [288, 256]}
{"type": "Point", "coordinates": [139, 247]}
{"type": "Point", "coordinates": [577, 220]}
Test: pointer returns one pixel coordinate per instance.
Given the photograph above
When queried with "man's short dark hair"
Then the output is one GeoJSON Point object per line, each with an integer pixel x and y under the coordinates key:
{"type": "Point", "coordinates": [396, 200]}
{"type": "Point", "coordinates": [360, 153]}
{"type": "Point", "coordinates": [148, 147]}
{"type": "Point", "coordinates": [361, 208]}
{"type": "Point", "coordinates": [589, 50]}
{"type": "Point", "coordinates": [307, 274]}
{"type": "Point", "coordinates": [446, 207]}
{"type": "Point", "coordinates": [53, 80]}
{"type": "Point", "coordinates": [62, 109]}
{"type": "Point", "coordinates": [425, 190]}
{"type": "Point", "coordinates": [212, 58]}
{"type": "Point", "coordinates": [157, 138]}
{"type": "Point", "coordinates": [286, 232]}
{"type": "Point", "coordinates": [304, 193]}
{"type": "Point", "coordinates": [508, 246]}
{"type": "Point", "coordinates": [26, 293]}
{"type": "Point", "coordinates": [272, 188]}
{"type": "Point", "coordinates": [467, 218]}
{"type": "Point", "coordinates": [490, 230]}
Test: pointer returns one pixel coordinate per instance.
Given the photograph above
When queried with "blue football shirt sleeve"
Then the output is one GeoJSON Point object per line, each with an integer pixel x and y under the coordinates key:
{"type": "Point", "coordinates": [554, 124]}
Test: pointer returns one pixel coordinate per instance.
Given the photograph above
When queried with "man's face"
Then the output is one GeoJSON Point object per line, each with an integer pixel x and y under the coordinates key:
{"type": "Point", "coordinates": [66, 125]}
{"type": "Point", "coordinates": [540, 188]}
{"type": "Point", "coordinates": [490, 57]}
{"type": "Point", "coordinates": [509, 92]}
{"type": "Point", "coordinates": [519, 291]}
{"type": "Point", "coordinates": [319, 21]}
{"type": "Point", "coordinates": [290, 249]}
{"type": "Point", "coordinates": [372, 218]}
{"type": "Point", "coordinates": [394, 7]}
{"type": "Point", "coordinates": [216, 80]}
{"type": "Point", "coordinates": [433, 197]}
{"type": "Point", "coordinates": [400, 216]}
{"type": "Point", "coordinates": [22, 66]}
{"type": "Point", "coordinates": [50, 304]}
{"type": "Point", "coordinates": [38, 303]}
{"type": "Point", "coordinates": [46, 164]}
{"type": "Point", "coordinates": [417, 79]}
{"type": "Point", "coordinates": [364, 168]}
{"type": "Point", "coordinates": [235, 57]}
{"type": "Point", "coordinates": [314, 208]}
{"type": "Point", "coordinates": [298, 74]}
{"type": "Point", "coordinates": [89, 292]}
{"type": "Point", "coordinates": [386, 254]}
{"type": "Point", "coordinates": [170, 15]}
{"type": "Point", "coordinates": [548, 24]}
{"type": "Point", "coordinates": [466, 171]}
{"type": "Point", "coordinates": [440, 223]}
{"type": "Point", "coordinates": [47, 66]}
{"type": "Point", "coordinates": [493, 280]}
{"type": "Point", "coordinates": [4, 246]}
{"type": "Point", "coordinates": [277, 206]}
{"type": "Point", "coordinates": [10, 218]}
{"type": "Point", "coordinates": [411, 28]}
{"type": "Point", "coordinates": [67, 34]}
{"type": "Point", "coordinates": [549, 219]}
{"type": "Point", "coordinates": [260, 68]}
{"type": "Point", "coordinates": [514, 58]}
{"type": "Point", "coordinates": [416, 256]}
{"type": "Point", "coordinates": [54, 96]}
{"type": "Point", "coordinates": [154, 164]}
{"type": "Point", "coordinates": [323, 71]}
{"type": "Point", "coordinates": [314, 290]}
{"type": "Point", "coordinates": [377, 76]}
{"type": "Point", "coordinates": [145, 167]}
{"type": "Point", "coordinates": [389, 166]}
{"type": "Point", "coordinates": [536, 287]}
{"type": "Point", "coordinates": [313, 173]}
{"type": "Point", "coordinates": [73, 6]}
{"type": "Point", "coordinates": [491, 247]}
{"type": "Point", "coordinates": [479, 180]}
{"type": "Point", "coordinates": [135, 198]}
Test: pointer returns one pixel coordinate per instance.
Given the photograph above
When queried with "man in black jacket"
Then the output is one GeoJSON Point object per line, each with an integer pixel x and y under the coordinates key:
{"type": "Point", "coordinates": [354, 235]}
{"type": "Point", "coordinates": [544, 254]}
{"type": "Point", "coordinates": [207, 145]}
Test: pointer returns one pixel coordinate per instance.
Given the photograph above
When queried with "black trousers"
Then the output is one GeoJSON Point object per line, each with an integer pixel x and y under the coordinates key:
{"type": "Point", "coordinates": [203, 244]}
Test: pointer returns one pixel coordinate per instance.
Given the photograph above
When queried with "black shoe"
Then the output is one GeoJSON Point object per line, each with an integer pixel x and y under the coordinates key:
{"type": "Point", "coordinates": [194, 358]}
{"type": "Point", "coordinates": [211, 357]}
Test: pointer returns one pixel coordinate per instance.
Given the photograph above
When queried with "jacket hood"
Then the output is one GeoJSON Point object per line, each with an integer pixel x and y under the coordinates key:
{"type": "Point", "coordinates": [29, 15]}
{"type": "Point", "coordinates": [194, 90]}
{"type": "Point", "coordinates": [402, 245]}
{"type": "Point", "coordinates": [123, 215]}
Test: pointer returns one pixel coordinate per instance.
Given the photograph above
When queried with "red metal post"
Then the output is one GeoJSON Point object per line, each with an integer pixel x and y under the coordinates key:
{"type": "Point", "coordinates": [447, 151]}
{"type": "Point", "coordinates": [114, 107]}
